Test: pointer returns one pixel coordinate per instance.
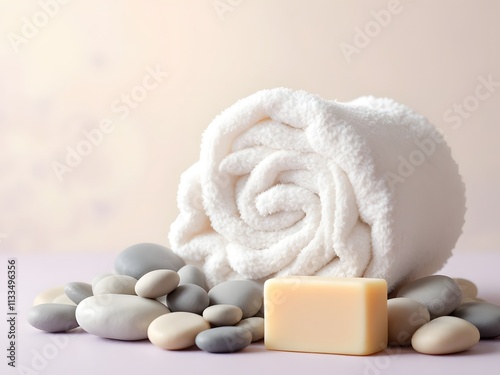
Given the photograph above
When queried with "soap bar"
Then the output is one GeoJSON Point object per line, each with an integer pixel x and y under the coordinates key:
{"type": "Point", "coordinates": [325, 314]}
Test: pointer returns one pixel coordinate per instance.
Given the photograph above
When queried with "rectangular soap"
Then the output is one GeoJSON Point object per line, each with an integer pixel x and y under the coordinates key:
{"type": "Point", "coordinates": [325, 314]}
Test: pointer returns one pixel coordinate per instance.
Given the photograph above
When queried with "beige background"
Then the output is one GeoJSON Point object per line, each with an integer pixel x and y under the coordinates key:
{"type": "Point", "coordinates": [69, 73]}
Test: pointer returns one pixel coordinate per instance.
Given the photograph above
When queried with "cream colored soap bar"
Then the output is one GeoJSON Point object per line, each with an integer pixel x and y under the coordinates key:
{"type": "Point", "coordinates": [325, 314]}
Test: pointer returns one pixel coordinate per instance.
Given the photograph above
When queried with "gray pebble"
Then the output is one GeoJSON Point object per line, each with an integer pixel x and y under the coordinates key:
{"type": "Point", "coordinates": [139, 259]}
{"type": "Point", "coordinates": [440, 294]}
{"type": "Point", "coordinates": [485, 316]}
{"type": "Point", "coordinates": [188, 298]}
{"type": "Point", "coordinates": [245, 294]}
{"type": "Point", "coordinates": [78, 291]}
{"type": "Point", "coordinates": [255, 325]}
{"type": "Point", "coordinates": [53, 317]}
{"type": "Point", "coordinates": [223, 339]}
{"type": "Point", "coordinates": [190, 274]}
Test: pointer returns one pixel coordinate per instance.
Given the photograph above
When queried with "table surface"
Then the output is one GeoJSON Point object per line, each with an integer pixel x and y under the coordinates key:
{"type": "Point", "coordinates": [78, 352]}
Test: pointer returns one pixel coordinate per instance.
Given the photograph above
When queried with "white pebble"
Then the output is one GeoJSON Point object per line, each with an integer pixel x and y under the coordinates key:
{"type": "Point", "coordinates": [48, 295]}
{"type": "Point", "coordinates": [118, 316]}
{"type": "Point", "coordinates": [176, 330]}
{"type": "Point", "coordinates": [445, 335]}
{"type": "Point", "coordinates": [115, 284]}
{"type": "Point", "coordinates": [157, 283]}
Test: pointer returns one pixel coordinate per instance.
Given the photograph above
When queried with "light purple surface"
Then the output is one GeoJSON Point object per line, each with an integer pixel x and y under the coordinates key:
{"type": "Point", "coordinates": [82, 353]}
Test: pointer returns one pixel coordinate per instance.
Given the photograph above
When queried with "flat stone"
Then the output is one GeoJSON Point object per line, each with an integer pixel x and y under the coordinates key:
{"type": "Point", "coordinates": [255, 325]}
{"type": "Point", "coordinates": [157, 283]}
{"type": "Point", "coordinates": [99, 277]}
{"type": "Point", "coordinates": [139, 259]}
{"type": "Point", "coordinates": [115, 284]}
{"type": "Point", "coordinates": [245, 294]}
{"type": "Point", "coordinates": [177, 330]}
{"type": "Point", "coordinates": [188, 298]}
{"type": "Point", "coordinates": [440, 294]}
{"type": "Point", "coordinates": [445, 335]}
{"type": "Point", "coordinates": [78, 291]}
{"type": "Point", "coordinates": [53, 317]}
{"type": "Point", "coordinates": [190, 274]}
{"type": "Point", "coordinates": [48, 295]}
{"type": "Point", "coordinates": [485, 316]}
{"type": "Point", "coordinates": [405, 316]}
{"type": "Point", "coordinates": [223, 339]}
{"type": "Point", "coordinates": [222, 315]}
{"type": "Point", "coordinates": [468, 288]}
{"type": "Point", "coordinates": [118, 316]}
{"type": "Point", "coordinates": [64, 299]}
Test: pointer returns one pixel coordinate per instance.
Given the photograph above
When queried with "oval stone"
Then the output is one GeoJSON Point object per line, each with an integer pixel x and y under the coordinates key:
{"type": "Point", "coordinates": [245, 294]}
{"type": "Point", "coordinates": [157, 283]}
{"type": "Point", "coordinates": [445, 335]}
{"type": "Point", "coordinates": [78, 291]}
{"type": "Point", "coordinates": [222, 315]}
{"type": "Point", "coordinates": [118, 316]}
{"type": "Point", "coordinates": [405, 316]}
{"type": "Point", "coordinates": [64, 299]}
{"type": "Point", "coordinates": [177, 330]}
{"type": "Point", "coordinates": [440, 294]}
{"type": "Point", "coordinates": [99, 277]}
{"type": "Point", "coordinates": [115, 284]}
{"type": "Point", "coordinates": [468, 288]}
{"type": "Point", "coordinates": [255, 325]}
{"type": "Point", "coordinates": [48, 295]}
{"type": "Point", "coordinates": [53, 317]}
{"type": "Point", "coordinates": [190, 274]}
{"type": "Point", "coordinates": [137, 260]}
{"type": "Point", "coordinates": [485, 316]}
{"type": "Point", "coordinates": [223, 339]}
{"type": "Point", "coordinates": [188, 298]}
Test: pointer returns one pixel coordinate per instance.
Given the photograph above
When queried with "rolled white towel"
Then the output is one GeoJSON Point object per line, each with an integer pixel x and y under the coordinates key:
{"type": "Point", "coordinates": [292, 184]}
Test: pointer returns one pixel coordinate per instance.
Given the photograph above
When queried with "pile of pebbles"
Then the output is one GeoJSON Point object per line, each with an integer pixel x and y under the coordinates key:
{"type": "Point", "coordinates": [440, 315]}
{"type": "Point", "coordinates": [132, 305]}
{"type": "Point", "coordinates": [154, 295]}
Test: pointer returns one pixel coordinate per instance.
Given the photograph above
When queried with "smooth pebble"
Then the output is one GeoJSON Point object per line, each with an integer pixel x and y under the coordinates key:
{"type": "Point", "coordinates": [222, 315]}
{"type": "Point", "coordinates": [53, 317]}
{"type": "Point", "coordinates": [255, 325]}
{"type": "Point", "coordinates": [485, 316]}
{"type": "Point", "coordinates": [470, 299]}
{"type": "Point", "coordinates": [118, 316]}
{"type": "Point", "coordinates": [115, 284]}
{"type": "Point", "coordinates": [48, 295]}
{"type": "Point", "coordinates": [445, 335]}
{"type": "Point", "coordinates": [177, 330]}
{"type": "Point", "coordinates": [189, 298]}
{"type": "Point", "coordinates": [139, 259]}
{"type": "Point", "coordinates": [190, 274]}
{"type": "Point", "coordinates": [157, 283]}
{"type": "Point", "coordinates": [99, 277]}
{"type": "Point", "coordinates": [223, 339]}
{"type": "Point", "coordinates": [405, 316]}
{"type": "Point", "coordinates": [78, 291]}
{"type": "Point", "coordinates": [440, 294]}
{"type": "Point", "coordinates": [245, 294]}
{"type": "Point", "coordinates": [468, 288]}
{"type": "Point", "coordinates": [64, 299]}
